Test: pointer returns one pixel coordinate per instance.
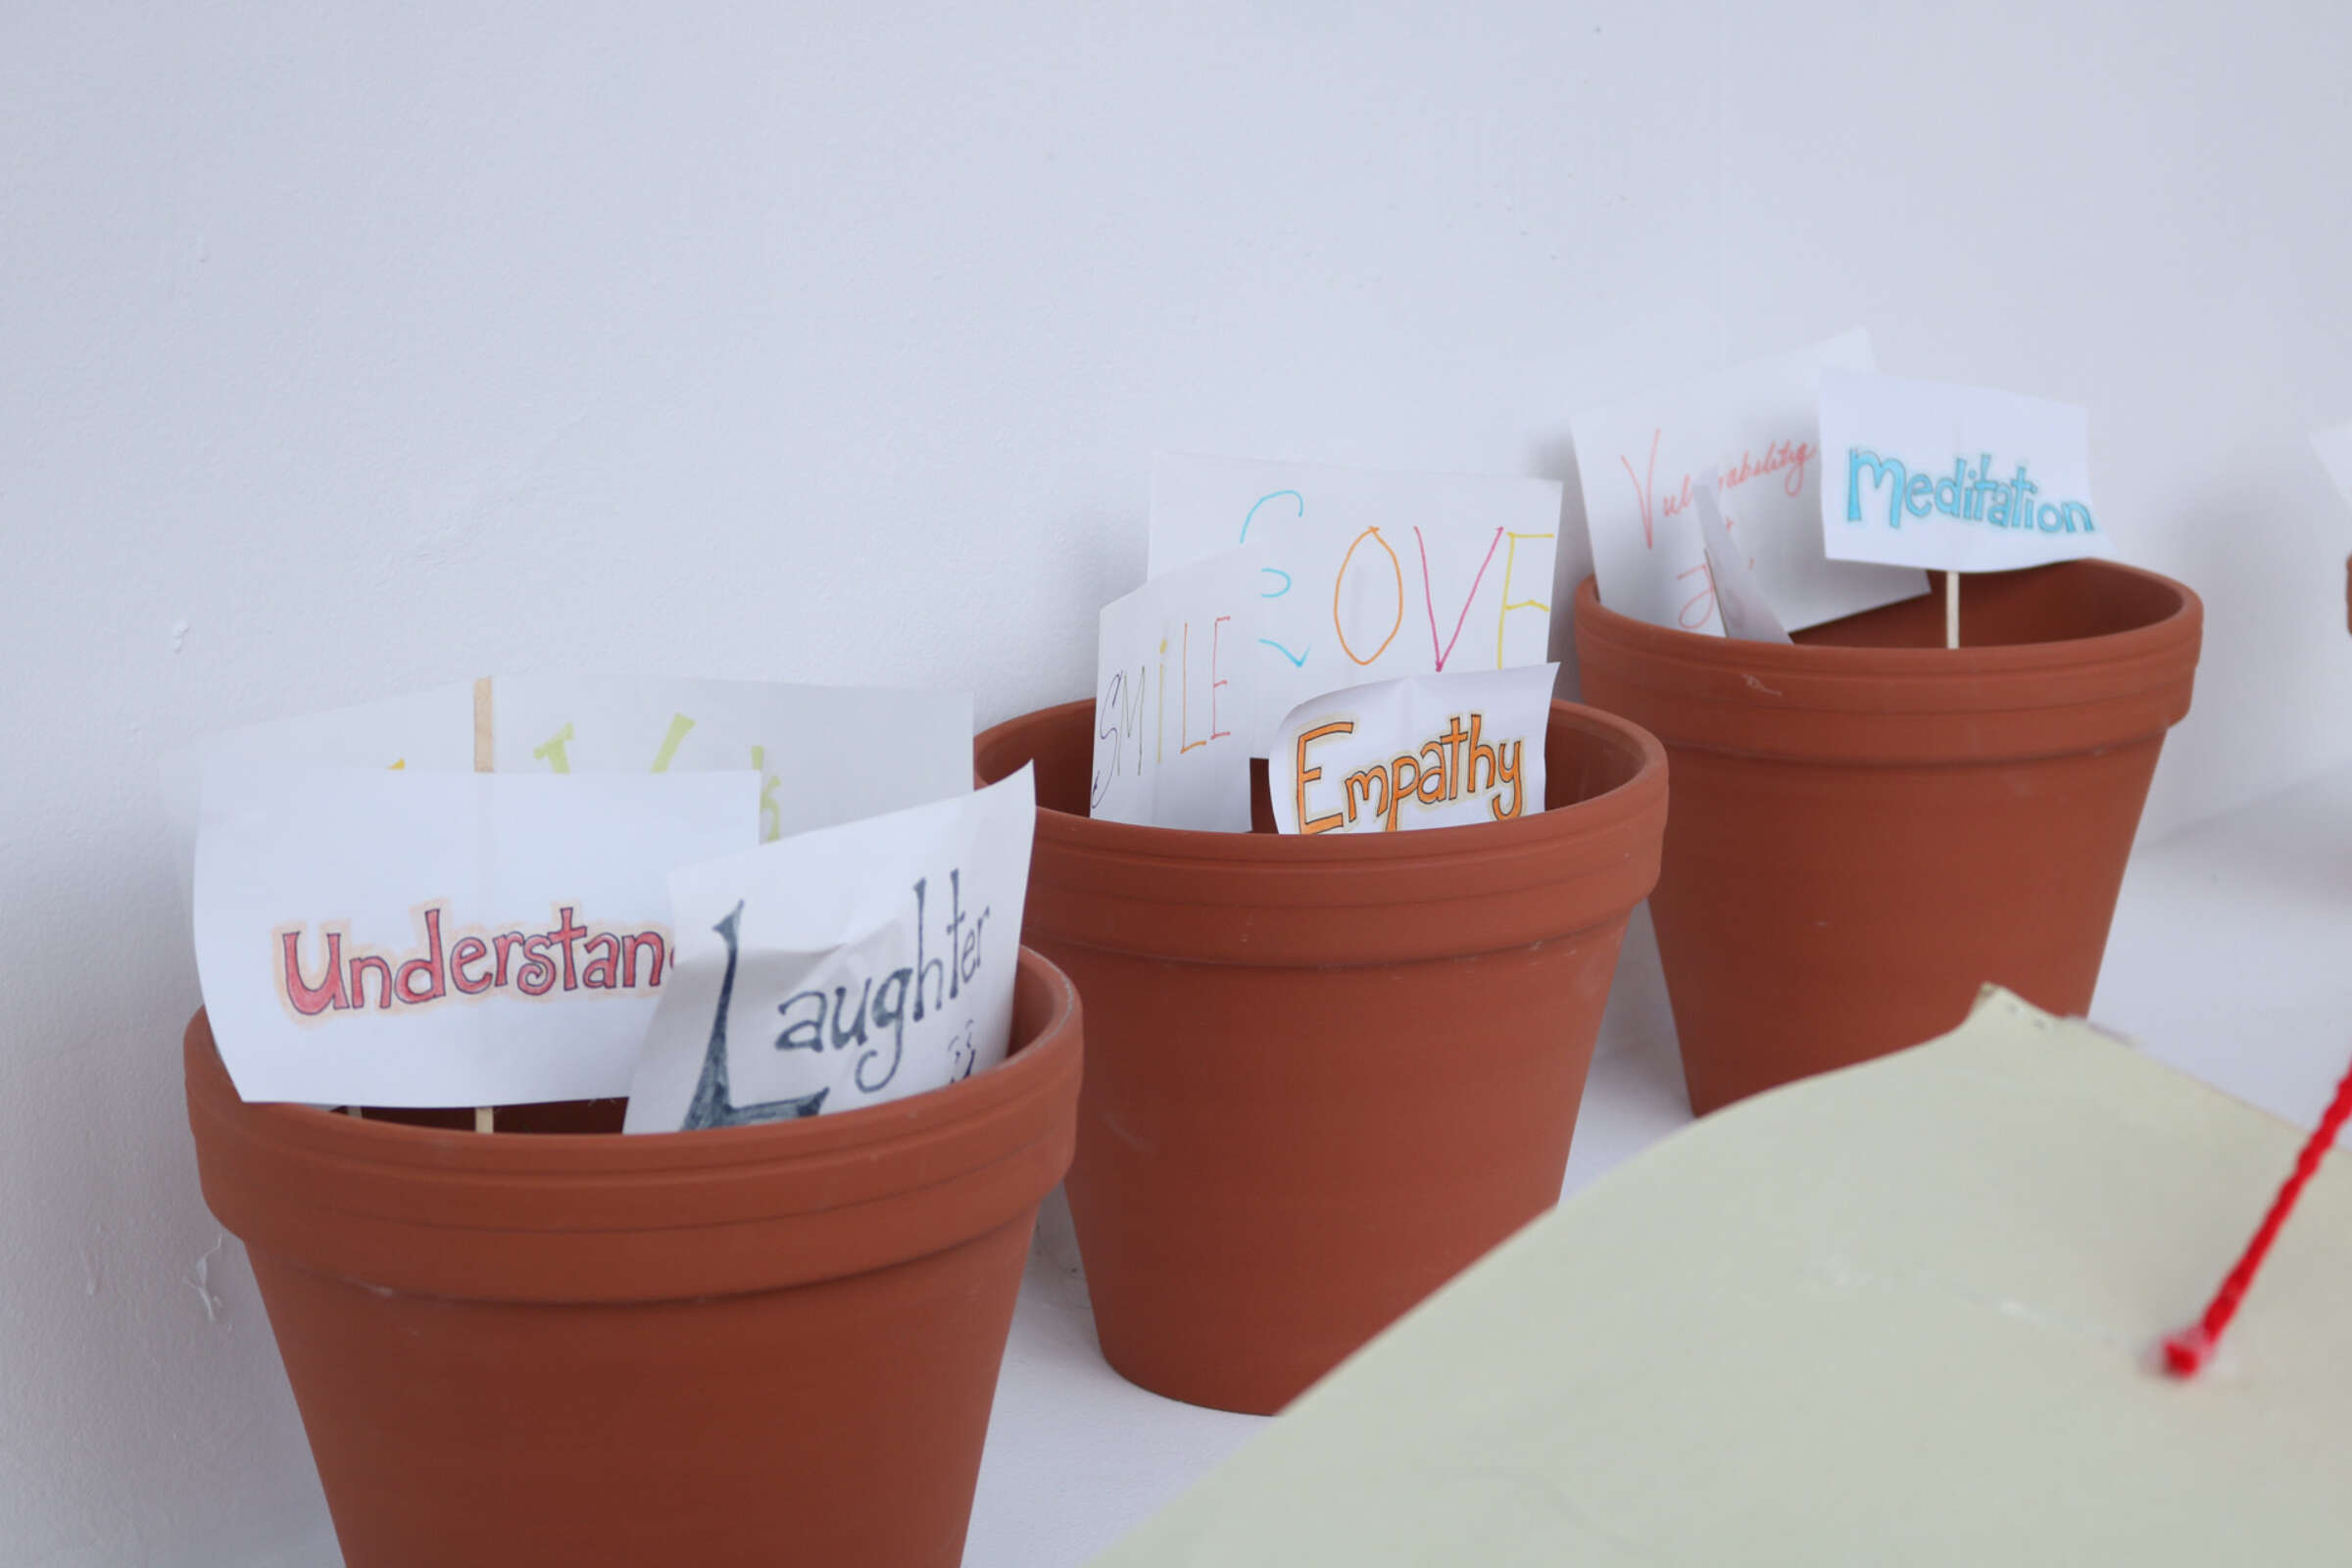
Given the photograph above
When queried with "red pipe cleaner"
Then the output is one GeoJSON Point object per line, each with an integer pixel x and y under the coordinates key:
{"type": "Point", "coordinates": [2188, 1351]}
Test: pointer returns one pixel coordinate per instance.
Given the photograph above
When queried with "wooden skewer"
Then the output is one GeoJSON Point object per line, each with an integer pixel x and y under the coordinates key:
{"type": "Point", "coordinates": [485, 761]}
{"type": "Point", "coordinates": [1952, 610]}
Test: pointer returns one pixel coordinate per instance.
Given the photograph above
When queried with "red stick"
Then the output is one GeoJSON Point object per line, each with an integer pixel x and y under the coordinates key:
{"type": "Point", "coordinates": [2188, 1351]}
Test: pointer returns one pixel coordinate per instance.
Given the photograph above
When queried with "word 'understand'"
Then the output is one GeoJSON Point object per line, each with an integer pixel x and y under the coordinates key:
{"type": "Point", "coordinates": [570, 955]}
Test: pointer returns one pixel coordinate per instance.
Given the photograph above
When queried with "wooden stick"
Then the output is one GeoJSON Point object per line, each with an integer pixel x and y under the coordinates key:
{"type": "Point", "coordinates": [354, 1114]}
{"type": "Point", "coordinates": [1952, 610]}
{"type": "Point", "coordinates": [485, 761]}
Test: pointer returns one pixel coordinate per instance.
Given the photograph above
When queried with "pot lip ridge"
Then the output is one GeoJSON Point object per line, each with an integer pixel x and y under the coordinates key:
{"type": "Point", "coordinates": [2158, 641]}
{"type": "Point", "coordinates": [1622, 804]}
{"type": "Point", "coordinates": [1029, 1075]}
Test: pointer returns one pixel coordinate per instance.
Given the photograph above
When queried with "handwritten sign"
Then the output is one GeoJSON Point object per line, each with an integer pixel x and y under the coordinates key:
{"type": "Point", "coordinates": [1429, 751]}
{"type": "Point", "coordinates": [1953, 476]}
{"type": "Point", "coordinates": [2335, 448]}
{"type": "Point", "coordinates": [1368, 576]}
{"type": "Point", "coordinates": [823, 754]}
{"type": "Point", "coordinates": [396, 938]}
{"type": "Point", "coordinates": [845, 968]}
{"type": "Point", "coordinates": [1176, 695]}
{"type": "Point", "coordinates": [1739, 597]}
{"type": "Point", "coordinates": [1639, 464]}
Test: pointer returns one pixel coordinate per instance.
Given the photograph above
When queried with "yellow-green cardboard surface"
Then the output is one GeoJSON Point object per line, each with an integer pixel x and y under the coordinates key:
{"type": "Point", "coordinates": [1903, 1313]}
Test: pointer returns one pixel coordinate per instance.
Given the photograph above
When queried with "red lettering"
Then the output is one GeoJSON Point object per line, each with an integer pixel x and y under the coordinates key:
{"type": "Point", "coordinates": [628, 958]}
{"type": "Point", "coordinates": [428, 967]}
{"type": "Point", "coordinates": [307, 1000]}
{"type": "Point", "coordinates": [465, 951]}
{"type": "Point", "coordinates": [360, 966]}
{"type": "Point", "coordinates": [570, 931]}
{"type": "Point", "coordinates": [1429, 598]}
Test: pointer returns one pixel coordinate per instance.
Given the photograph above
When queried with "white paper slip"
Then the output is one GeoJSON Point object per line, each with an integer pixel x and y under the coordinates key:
{"type": "Point", "coordinates": [2335, 448]}
{"type": "Point", "coordinates": [845, 968]}
{"type": "Point", "coordinates": [1758, 426]}
{"type": "Point", "coordinates": [1429, 751]}
{"type": "Point", "coordinates": [1368, 576]}
{"type": "Point", "coordinates": [395, 938]}
{"type": "Point", "coordinates": [1959, 478]}
{"type": "Point", "coordinates": [1176, 697]}
{"type": "Point", "coordinates": [882, 748]}
{"type": "Point", "coordinates": [824, 753]}
{"type": "Point", "coordinates": [1740, 595]}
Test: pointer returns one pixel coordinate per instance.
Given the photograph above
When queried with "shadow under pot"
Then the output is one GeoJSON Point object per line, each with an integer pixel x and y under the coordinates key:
{"type": "Point", "coordinates": [745, 1345]}
{"type": "Point", "coordinates": [1324, 1073]}
{"type": "Point", "coordinates": [1868, 825]}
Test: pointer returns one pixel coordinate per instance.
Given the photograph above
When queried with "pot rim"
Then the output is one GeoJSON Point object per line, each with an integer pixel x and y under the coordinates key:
{"type": "Point", "coordinates": [1341, 852]}
{"type": "Point", "coordinates": [399, 1150]}
{"type": "Point", "coordinates": [1672, 644]}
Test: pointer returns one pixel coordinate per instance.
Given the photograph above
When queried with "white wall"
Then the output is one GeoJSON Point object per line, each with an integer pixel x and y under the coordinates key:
{"type": "Point", "coordinates": [345, 348]}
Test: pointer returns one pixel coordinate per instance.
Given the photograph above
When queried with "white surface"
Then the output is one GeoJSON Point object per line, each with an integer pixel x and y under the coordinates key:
{"type": "Point", "coordinates": [351, 349]}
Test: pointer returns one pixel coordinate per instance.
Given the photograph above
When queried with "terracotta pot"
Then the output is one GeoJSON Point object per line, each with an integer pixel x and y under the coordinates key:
{"type": "Point", "coordinates": [1868, 825]}
{"type": "Point", "coordinates": [1324, 1073]}
{"type": "Point", "coordinates": [756, 1345]}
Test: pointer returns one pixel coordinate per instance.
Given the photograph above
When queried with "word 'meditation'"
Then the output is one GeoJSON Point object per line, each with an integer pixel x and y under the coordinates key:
{"type": "Point", "coordinates": [1443, 769]}
{"type": "Point", "coordinates": [1429, 751]}
{"type": "Point", "coordinates": [1966, 494]}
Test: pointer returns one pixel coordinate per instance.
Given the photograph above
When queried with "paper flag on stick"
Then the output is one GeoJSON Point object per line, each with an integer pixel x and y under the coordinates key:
{"type": "Point", "coordinates": [1902, 1313]}
{"type": "Point", "coordinates": [1918, 474]}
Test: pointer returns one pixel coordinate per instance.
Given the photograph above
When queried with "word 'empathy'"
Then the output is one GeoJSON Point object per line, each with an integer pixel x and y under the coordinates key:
{"type": "Point", "coordinates": [1968, 495]}
{"type": "Point", "coordinates": [1444, 769]}
{"type": "Point", "coordinates": [569, 956]}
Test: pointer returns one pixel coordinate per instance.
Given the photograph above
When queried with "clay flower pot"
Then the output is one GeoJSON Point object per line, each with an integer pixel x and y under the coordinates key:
{"type": "Point", "coordinates": [756, 1346]}
{"type": "Point", "coordinates": [1868, 825]}
{"type": "Point", "coordinates": [1324, 1074]}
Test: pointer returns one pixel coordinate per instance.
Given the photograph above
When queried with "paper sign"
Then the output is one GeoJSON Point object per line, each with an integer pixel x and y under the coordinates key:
{"type": "Point", "coordinates": [824, 753]}
{"type": "Point", "coordinates": [1925, 474]}
{"type": "Point", "coordinates": [1901, 1313]}
{"type": "Point", "coordinates": [1758, 426]}
{"type": "Point", "coordinates": [1369, 575]}
{"type": "Point", "coordinates": [1175, 695]}
{"type": "Point", "coordinates": [396, 938]}
{"type": "Point", "coordinates": [1430, 751]}
{"type": "Point", "coordinates": [1740, 595]}
{"type": "Point", "coordinates": [2335, 448]}
{"type": "Point", "coordinates": [844, 967]}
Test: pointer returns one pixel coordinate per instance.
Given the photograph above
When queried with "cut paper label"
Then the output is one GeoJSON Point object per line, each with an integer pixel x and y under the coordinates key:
{"type": "Point", "coordinates": [845, 968]}
{"type": "Point", "coordinates": [1430, 751]}
{"type": "Point", "coordinates": [1758, 426]}
{"type": "Point", "coordinates": [1960, 478]}
{"type": "Point", "coordinates": [823, 754]}
{"type": "Point", "coordinates": [2335, 448]}
{"type": "Point", "coordinates": [1176, 695]}
{"type": "Point", "coordinates": [1740, 597]}
{"type": "Point", "coordinates": [1368, 576]}
{"type": "Point", "coordinates": [406, 938]}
